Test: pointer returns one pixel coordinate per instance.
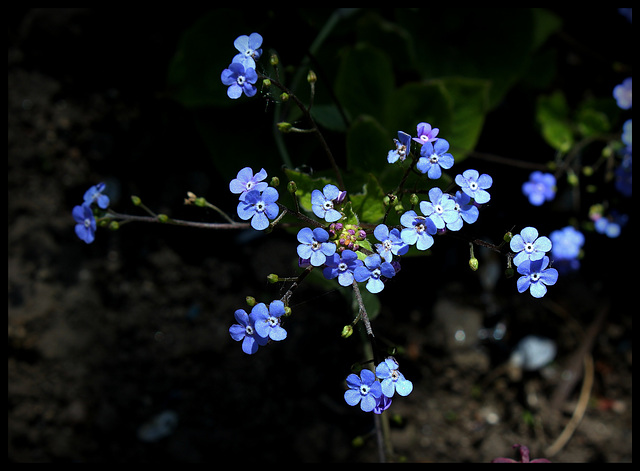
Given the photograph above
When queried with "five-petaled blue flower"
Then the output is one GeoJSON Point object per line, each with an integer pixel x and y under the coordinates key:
{"type": "Point", "coordinates": [475, 185]}
{"type": "Point", "coordinates": [418, 230]}
{"type": "Point", "coordinates": [364, 389]}
{"type": "Point", "coordinates": [536, 276]}
{"type": "Point", "coordinates": [246, 181]}
{"type": "Point", "coordinates": [392, 380]}
{"type": "Point", "coordinates": [390, 242]}
{"type": "Point", "coordinates": [94, 194]}
{"type": "Point", "coordinates": [239, 79]}
{"type": "Point", "coordinates": [528, 246]}
{"type": "Point", "coordinates": [85, 222]}
{"type": "Point", "coordinates": [259, 207]}
{"type": "Point", "coordinates": [342, 266]}
{"type": "Point", "coordinates": [403, 146]}
{"type": "Point", "coordinates": [267, 321]}
{"type": "Point", "coordinates": [434, 157]}
{"type": "Point", "coordinates": [322, 203]}
{"type": "Point", "coordinates": [314, 246]}
{"type": "Point", "coordinates": [245, 331]}
{"type": "Point", "coordinates": [371, 272]}
{"type": "Point", "coordinates": [541, 187]}
{"type": "Point", "coordinates": [441, 209]}
{"type": "Point", "coordinates": [249, 47]}
{"type": "Point", "coordinates": [466, 212]}
{"type": "Point", "coordinates": [426, 133]}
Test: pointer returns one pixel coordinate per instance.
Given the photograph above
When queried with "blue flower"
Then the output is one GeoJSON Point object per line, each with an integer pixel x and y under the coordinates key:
{"type": "Point", "coordinates": [259, 207]}
{"type": "Point", "coordinates": [403, 146]}
{"type": "Point", "coordinates": [382, 404]}
{"type": "Point", "coordinates": [536, 276]}
{"type": "Point", "coordinates": [390, 242]}
{"type": "Point", "coordinates": [246, 181]}
{"type": "Point", "coordinates": [418, 230]}
{"type": "Point", "coordinates": [541, 187]}
{"type": "Point", "coordinates": [392, 380]}
{"type": "Point", "coordinates": [239, 80]}
{"type": "Point", "coordinates": [475, 185]}
{"type": "Point", "coordinates": [363, 389]}
{"type": "Point", "coordinates": [86, 223]}
{"type": "Point", "coordinates": [94, 194]}
{"type": "Point", "coordinates": [371, 272]}
{"type": "Point", "coordinates": [426, 133]}
{"type": "Point", "coordinates": [441, 209]}
{"type": "Point", "coordinates": [249, 47]}
{"type": "Point", "coordinates": [342, 266]}
{"type": "Point", "coordinates": [322, 203]}
{"type": "Point", "coordinates": [245, 331]}
{"type": "Point", "coordinates": [466, 212]}
{"type": "Point", "coordinates": [433, 157]}
{"type": "Point", "coordinates": [566, 246]}
{"type": "Point", "coordinates": [267, 321]}
{"type": "Point", "coordinates": [528, 246]}
{"type": "Point", "coordinates": [314, 246]}
{"type": "Point", "coordinates": [611, 225]}
{"type": "Point", "coordinates": [622, 94]}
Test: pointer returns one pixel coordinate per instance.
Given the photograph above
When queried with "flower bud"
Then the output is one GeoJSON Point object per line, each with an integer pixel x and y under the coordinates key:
{"type": "Point", "coordinates": [413, 199]}
{"type": "Point", "coordinates": [507, 237]}
{"type": "Point", "coordinates": [312, 77]}
{"type": "Point", "coordinates": [347, 330]}
{"type": "Point", "coordinates": [287, 311]}
{"type": "Point", "coordinates": [163, 218]}
{"type": "Point", "coordinates": [251, 301]}
{"type": "Point", "coordinates": [473, 263]}
{"type": "Point", "coordinates": [114, 225]}
{"type": "Point", "coordinates": [272, 278]}
{"type": "Point", "coordinates": [275, 181]}
{"type": "Point", "coordinates": [136, 200]}
{"type": "Point", "coordinates": [273, 59]}
{"type": "Point", "coordinates": [284, 127]}
{"type": "Point", "coordinates": [266, 83]}
{"type": "Point", "coordinates": [292, 187]}
{"type": "Point", "coordinates": [284, 97]}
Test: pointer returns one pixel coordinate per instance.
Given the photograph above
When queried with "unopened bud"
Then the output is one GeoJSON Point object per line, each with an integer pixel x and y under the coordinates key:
{"type": "Point", "coordinates": [292, 187]}
{"type": "Point", "coordinates": [136, 200]}
{"type": "Point", "coordinates": [413, 199]}
{"type": "Point", "coordinates": [347, 330]}
{"type": "Point", "coordinates": [284, 97]}
{"type": "Point", "coordinates": [114, 225]}
{"type": "Point", "coordinates": [275, 181]}
{"type": "Point", "coordinates": [284, 127]}
{"type": "Point", "coordinates": [163, 218]}
{"type": "Point", "coordinates": [312, 77]}
{"type": "Point", "coordinates": [272, 278]}
{"type": "Point", "coordinates": [273, 59]}
{"type": "Point", "coordinates": [473, 263]}
{"type": "Point", "coordinates": [251, 301]}
{"type": "Point", "coordinates": [507, 237]}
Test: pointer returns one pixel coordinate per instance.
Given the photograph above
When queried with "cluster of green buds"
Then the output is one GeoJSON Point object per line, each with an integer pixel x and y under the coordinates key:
{"type": "Point", "coordinates": [346, 236]}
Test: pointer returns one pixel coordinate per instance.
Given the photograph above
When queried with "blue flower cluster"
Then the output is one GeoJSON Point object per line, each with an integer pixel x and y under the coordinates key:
{"type": "Point", "coordinates": [257, 200]}
{"type": "Point", "coordinates": [241, 75]}
{"type": "Point", "coordinates": [566, 248]}
{"type": "Point", "coordinates": [83, 214]}
{"type": "Point", "coordinates": [532, 262]}
{"type": "Point", "coordinates": [374, 391]}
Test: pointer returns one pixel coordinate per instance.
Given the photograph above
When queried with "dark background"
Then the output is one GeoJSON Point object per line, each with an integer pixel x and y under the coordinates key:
{"type": "Point", "coordinates": [103, 338]}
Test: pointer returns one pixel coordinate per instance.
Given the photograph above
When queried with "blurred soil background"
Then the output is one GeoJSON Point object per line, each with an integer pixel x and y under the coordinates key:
{"type": "Point", "coordinates": [119, 351]}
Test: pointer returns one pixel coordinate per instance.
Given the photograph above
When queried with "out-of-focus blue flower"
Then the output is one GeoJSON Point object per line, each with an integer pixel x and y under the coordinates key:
{"type": "Point", "coordinates": [536, 276]}
{"type": "Point", "coordinates": [434, 157]}
{"type": "Point", "coordinates": [567, 244]}
{"type": "Point", "coordinates": [533, 352]}
{"type": "Point", "coordinates": [475, 185]}
{"type": "Point", "coordinates": [322, 203]}
{"type": "Point", "coordinates": [239, 79]}
{"type": "Point", "coordinates": [541, 187]}
{"type": "Point", "coordinates": [403, 146]}
{"type": "Point", "coordinates": [85, 222]}
{"type": "Point", "coordinates": [249, 47]}
{"type": "Point", "coordinates": [622, 94]}
{"type": "Point", "coordinates": [611, 225]}
{"type": "Point", "coordinates": [425, 133]}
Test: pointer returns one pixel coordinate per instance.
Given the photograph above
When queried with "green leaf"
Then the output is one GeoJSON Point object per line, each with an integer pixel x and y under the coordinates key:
{"type": "Point", "coordinates": [368, 204]}
{"type": "Point", "coordinates": [364, 81]}
{"type": "Point", "coordinates": [552, 113]}
{"type": "Point", "coordinates": [367, 146]}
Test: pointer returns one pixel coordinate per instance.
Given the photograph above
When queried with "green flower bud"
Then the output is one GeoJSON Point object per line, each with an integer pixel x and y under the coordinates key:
{"type": "Point", "coordinates": [136, 200]}
{"type": "Point", "coordinates": [312, 77]}
{"type": "Point", "coordinates": [273, 59]}
{"type": "Point", "coordinates": [275, 181]}
{"type": "Point", "coordinates": [266, 83]}
{"type": "Point", "coordinates": [509, 272]}
{"type": "Point", "coordinates": [284, 97]}
{"type": "Point", "coordinates": [272, 278]}
{"type": "Point", "coordinates": [114, 225]}
{"type": "Point", "coordinates": [284, 127]}
{"type": "Point", "coordinates": [413, 199]}
{"type": "Point", "coordinates": [347, 330]}
{"type": "Point", "coordinates": [163, 218]}
{"type": "Point", "coordinates": [287, 311]}
{"type": "Point", "coordinates": [507, 237]}
{"type": "Point", "coordinates": [473, 263]}
{"type": "Point", "coordinates": [251, 301]}
{"type": "Point", "coordinates": [292, 187]}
